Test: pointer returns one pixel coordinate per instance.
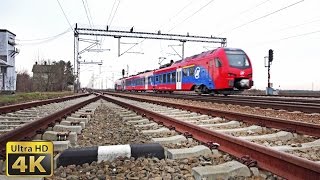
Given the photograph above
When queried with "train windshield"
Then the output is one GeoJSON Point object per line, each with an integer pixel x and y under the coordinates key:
{"type": "Point", "coordinates": [237, 59]}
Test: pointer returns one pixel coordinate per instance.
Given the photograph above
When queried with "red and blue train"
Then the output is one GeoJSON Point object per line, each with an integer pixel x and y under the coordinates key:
{"type": "Point", "coordinates": [220, 71]}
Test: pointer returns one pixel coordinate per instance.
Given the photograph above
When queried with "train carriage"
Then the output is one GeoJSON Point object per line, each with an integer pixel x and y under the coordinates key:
{"type": "Point", "coordinates": [223, 70]}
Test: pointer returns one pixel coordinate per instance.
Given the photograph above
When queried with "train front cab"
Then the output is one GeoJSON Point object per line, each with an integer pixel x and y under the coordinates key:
{"type": "Point", "coordinates": [232, 72]}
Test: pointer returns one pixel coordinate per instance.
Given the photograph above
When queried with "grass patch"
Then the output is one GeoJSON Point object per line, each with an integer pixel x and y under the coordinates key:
{"type": "Point", "coordinates": [26, 97]}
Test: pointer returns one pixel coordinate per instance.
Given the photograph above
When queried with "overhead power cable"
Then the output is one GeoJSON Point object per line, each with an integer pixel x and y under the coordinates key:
{"type": "Point", "coordinates": [46, 38]}
{"type": "Point", "coordinates": [259, 4]}
{"type": "Point", "coordinates": [114, 14]}
{"type": "Point", "coordinates": [300, 35]}
{"type": "Point", "coordinates": [42, 40]}
{"type": "Point", "coordinates": [298, 25]}
{"type": "Point", "coordinates": [89, 12]}
{"type": "Point", "coordinates": [85, 8]}
{"type": "Point", "coordinates": [65, 15]}
{"type": "Point", "coordinates": [187, 5]}
{"type": "Point", "coordinates": [202, 7]}
{"type": "Point", "coordinates": [110, 15]}
{"type": "Point", "coordinates": [264, 16]}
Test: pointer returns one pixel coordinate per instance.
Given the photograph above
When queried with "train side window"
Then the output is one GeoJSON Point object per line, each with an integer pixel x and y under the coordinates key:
{"type": "Point", "coordinates": [164, 78]}
{"type": "Point", "coordinates": [168, 77]}
{"type": "Point", "coordinates": [174, 77]}
{"type": "Point", "coordinates": [185, 72]}
{"type": "Point", "coordinates": [160, 78]}
{"type": "Point", "coordinates": [191, 71]}
{"type": "Point", "coordinates": [217, 62]}
{"type": "Point", "coordinates": [157, 78]}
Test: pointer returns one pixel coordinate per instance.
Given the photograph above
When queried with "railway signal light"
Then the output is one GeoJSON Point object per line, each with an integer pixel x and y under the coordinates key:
{"type": "Point", "coordinates": [270, 55]}
{"type": "Point", "coordinates": [123, 72]}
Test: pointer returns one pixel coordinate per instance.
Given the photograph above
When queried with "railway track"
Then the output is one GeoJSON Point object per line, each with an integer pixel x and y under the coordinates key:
{"type": "Point", "coordinates": [289, 104]}
{"type": "Point", "coordinates": [202, 132]}
{"type": "Point", "coordinates": [17, 107]}
{"type": "Point", "coordinates": [149, 167]}
{"type": "Point", "coordinates": [265, 156]}
{"type": "Point", "coordinates": [25, 124]}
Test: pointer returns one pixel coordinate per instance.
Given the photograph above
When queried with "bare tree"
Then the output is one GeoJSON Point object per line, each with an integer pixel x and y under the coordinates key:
{"type": "Point", "coordinates": [24, 82]}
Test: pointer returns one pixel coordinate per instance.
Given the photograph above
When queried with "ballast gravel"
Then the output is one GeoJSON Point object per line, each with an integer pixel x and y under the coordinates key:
{"type": "Point", "coordinates": [313, 118]}
{"type": "Point", "coordinates": [107, 128]}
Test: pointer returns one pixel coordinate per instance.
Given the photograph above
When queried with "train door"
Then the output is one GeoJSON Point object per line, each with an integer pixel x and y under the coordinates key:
{"type": "Point", "coordinates": [211, 69]}
{"type": "Point", "coordinates": [146, 83]}
{"type": "Point", "coordinates": [179, 79]}
{"type": "Point", "coordinates": [123, 85]}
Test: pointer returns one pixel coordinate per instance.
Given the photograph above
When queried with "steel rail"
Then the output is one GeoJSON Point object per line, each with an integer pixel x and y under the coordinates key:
{"type": "Point", "coordinates": [287, 125]}
{"type": "Point", "coordinates": [280, 163]}
{"type": "Point", "coordinates": [17, 107]}
{"type": "Point", "coordinates": [27, 131]}
{"type": "Point", "coordinates": [311, 106]}
{"type": "Point", "coordinates": [290, 106]}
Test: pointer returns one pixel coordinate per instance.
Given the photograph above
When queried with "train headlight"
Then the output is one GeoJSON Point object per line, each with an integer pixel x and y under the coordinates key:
{"type": "Point", "coordinates": [244, 83]}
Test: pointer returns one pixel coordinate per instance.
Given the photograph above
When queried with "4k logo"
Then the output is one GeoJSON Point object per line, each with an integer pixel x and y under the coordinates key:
{"type": "Point", "coordinates": [34, 158]}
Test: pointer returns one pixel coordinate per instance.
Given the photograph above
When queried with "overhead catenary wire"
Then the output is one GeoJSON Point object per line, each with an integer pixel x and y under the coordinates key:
{"type": "Point", "coordinates": [42, 40]}
{"type": "Point", "coordinates": [264, 16]}
{"type": "Point", "coordinates": [115, 12]}
{"type": "Point", "coordinates": [285, 38]}
{"type": "Point", "coordinates": [89, 12]}
{"type": "Point", "coordinates": [110, 19]}
{"type": "Point", "coordinates": [255, 6]}
{"type": "Point", "coordinates": [234, 17]}
{"type": "Point", "coordinates": [300, 35]}
{"type": "Point", "coordinates": [110, 15]}
{"type": "Point", "coordinates": [178, 13]}
{"type": "Point", "coordinates": [46, 38]}
{"type": "Point", "coordinates": [85, 8]}
{"type": "Point", "coordinates": [301, 24]}
{"type": "Point", "coordinates": [65, 15]}
{"type": "Point", "coordinates": [201, 8]}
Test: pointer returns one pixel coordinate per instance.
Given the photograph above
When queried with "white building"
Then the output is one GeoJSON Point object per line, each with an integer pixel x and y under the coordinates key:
{"type": "Point", "coordinates": [8, 52]}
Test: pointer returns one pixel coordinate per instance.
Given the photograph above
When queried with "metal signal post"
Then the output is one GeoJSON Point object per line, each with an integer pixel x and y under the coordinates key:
{"type": "Point", "coordinates": [269, 90]}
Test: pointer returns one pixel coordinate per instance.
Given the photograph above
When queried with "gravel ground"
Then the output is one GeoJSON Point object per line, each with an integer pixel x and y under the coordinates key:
{"type": "Point", "coordinates": [283, 114]}
{"type": "Point", "coordinates": [252, 133]}
{"type": "Point", "coordinates": [107, 128]}
{"type": "Point", "coordinates": [183, 144]}
{"type": "Point", "coordinates": [312, 154]}
{"type": "Point", "coordinates": [141, 168]}
{"type": "Point", "coordinates": [294, 142]}
{"type": "Point", "coordinates": [163, 134]}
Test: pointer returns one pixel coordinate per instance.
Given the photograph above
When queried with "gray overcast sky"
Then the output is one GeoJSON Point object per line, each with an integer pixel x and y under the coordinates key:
{"type": "Point", "coordinates": [290, 27]}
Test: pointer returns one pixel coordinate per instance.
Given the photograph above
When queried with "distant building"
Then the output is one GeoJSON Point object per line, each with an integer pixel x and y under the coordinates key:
{"type": "Point", "coordinates": [43, 77]}
{"type": "Point", "coordinates": [8, 52]}
{"type": "Point", "coordinates": [54, 77]}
